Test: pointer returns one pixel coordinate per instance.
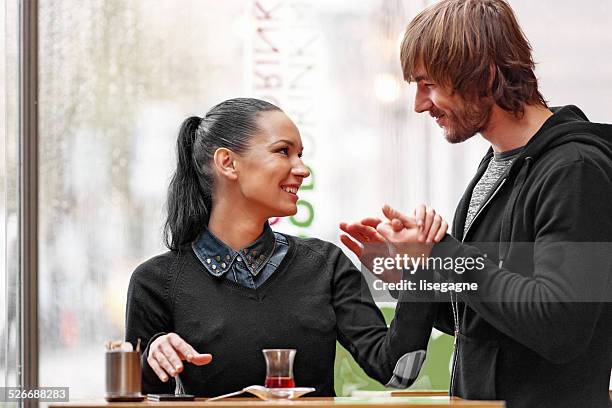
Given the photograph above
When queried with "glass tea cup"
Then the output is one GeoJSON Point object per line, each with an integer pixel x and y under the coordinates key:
{"type": "Point", "coordinates": [279, 368]}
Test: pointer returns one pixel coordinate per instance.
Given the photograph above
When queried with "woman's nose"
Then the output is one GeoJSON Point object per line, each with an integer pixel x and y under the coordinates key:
{"type": "Point", "coordinates": [301, 170]}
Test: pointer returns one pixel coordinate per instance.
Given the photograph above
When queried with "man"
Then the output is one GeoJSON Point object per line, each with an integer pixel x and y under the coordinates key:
{"type": "Point", "coordinates": [538, 331]}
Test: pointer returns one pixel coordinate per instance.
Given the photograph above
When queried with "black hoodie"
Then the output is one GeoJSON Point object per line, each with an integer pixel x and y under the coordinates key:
{"type": "Point", "coordinates": [538, 331]}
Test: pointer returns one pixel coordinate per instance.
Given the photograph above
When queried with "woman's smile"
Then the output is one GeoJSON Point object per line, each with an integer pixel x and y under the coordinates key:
{"type": "Point", "coordinates": [292, 190]}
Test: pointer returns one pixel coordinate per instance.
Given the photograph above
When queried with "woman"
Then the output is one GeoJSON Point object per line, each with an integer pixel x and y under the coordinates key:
{"type": "Point", "coordinates": [230, 286]}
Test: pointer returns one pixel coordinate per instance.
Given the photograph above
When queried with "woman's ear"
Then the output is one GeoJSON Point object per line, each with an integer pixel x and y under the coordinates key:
{"type": "Point", "coordinates": [224, 160]}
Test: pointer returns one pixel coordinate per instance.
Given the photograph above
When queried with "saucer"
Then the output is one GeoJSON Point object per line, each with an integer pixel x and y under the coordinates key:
{"type": "Point", "coordinates": [268, 393]}
{"type": "Point", "coordinates": [278, 393]}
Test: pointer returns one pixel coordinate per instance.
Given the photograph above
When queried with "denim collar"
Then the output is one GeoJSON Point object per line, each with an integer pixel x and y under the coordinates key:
{"type": "Point", "coordinates": [218, 258]}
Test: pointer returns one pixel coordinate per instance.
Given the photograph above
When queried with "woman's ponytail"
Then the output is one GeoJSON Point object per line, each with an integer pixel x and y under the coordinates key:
{"type": "Point", "coordinates": [188, 203]}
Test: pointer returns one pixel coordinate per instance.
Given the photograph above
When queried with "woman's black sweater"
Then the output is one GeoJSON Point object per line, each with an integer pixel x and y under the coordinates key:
{"type": "Point", "coordinates": [315, 297]}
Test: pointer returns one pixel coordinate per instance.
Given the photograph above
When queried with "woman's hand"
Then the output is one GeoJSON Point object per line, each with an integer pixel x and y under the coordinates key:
{"type": "Point", "coordinates": [167, 352]}
{"type": "Point", "coordinates": [413, 236]}
{"type": "Point", "coordinates": [432, 228]}
{"type": "Point", "coordinates": [423, 227]}
{"type": "Point", "coordinates": [363, 240]}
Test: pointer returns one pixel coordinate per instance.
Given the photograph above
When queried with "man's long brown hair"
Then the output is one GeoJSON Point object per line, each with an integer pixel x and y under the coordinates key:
{"type": "Point", "coordinates": [476, 48]}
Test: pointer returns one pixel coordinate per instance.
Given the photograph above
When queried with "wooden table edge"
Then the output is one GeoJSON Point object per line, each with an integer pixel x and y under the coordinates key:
{"type": "Point", "coordinates": [301, 403]}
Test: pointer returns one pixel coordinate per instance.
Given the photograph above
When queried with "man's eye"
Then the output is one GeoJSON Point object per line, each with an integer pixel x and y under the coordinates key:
{"type": "Point", "coordinates": [285, 151]}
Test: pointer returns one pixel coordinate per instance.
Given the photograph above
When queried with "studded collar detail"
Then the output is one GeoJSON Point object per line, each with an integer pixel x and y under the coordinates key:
{"type": "Point", "coordinates": [218, 258]}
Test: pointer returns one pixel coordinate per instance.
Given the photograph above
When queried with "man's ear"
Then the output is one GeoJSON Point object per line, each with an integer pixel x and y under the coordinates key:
{"type": "Point", "coordinates": [225, 163]}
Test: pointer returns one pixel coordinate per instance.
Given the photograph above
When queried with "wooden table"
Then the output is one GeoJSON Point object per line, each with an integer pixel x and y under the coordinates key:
{"type": "Point", "coordinates": [418, 393]}
{"type": "Point", "coordinates": [338, 402]}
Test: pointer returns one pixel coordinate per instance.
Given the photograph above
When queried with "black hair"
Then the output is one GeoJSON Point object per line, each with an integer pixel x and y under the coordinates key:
{"type": "Point", "coordinates": [230, 124]}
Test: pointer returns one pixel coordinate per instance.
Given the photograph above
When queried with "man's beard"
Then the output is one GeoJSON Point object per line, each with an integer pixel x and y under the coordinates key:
{"type": "Point", "coordinates": [467, 120]}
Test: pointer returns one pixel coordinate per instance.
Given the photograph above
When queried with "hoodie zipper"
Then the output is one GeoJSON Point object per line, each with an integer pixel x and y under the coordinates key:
{"type": "Point", "coordinates": [455, 304]}
{"type": "Point", "coordinates": [483, 207]}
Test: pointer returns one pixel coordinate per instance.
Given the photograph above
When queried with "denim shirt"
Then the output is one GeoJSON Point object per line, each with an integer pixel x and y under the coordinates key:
{"type": "Point", "coordinates": [249, 267]}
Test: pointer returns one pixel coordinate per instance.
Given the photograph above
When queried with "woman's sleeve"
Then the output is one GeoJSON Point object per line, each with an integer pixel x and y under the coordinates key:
{"type": "Point", "coordinates": [392, 355]}
{"type": "Point", "coordinates": [149, 315]}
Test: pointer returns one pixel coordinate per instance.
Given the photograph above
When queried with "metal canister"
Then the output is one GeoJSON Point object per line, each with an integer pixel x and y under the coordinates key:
{"type": "Point", "coordinates": [123, 375]}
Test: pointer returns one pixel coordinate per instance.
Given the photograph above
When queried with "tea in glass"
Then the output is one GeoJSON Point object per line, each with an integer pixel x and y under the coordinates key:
{"type": "Point", "coordinates": [279, 368]}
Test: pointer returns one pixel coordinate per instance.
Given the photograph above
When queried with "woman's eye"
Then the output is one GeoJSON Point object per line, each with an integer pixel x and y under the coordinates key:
{"type": "Point", "coordinates": [285, 151]}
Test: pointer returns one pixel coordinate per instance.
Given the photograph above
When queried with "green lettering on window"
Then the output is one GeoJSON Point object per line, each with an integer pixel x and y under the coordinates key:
{"type": "Point", "coordinates": [311, 179]}
{"type": "Point", "coordinates": [309, 218]}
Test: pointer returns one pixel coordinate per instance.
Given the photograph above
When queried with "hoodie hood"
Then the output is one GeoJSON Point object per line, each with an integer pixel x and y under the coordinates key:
{"type": "Point", "coordinates": [569, 124]}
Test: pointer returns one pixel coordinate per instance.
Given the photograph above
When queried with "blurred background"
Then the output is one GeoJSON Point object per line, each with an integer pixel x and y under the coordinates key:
{"type": "Point", "coordinates": [116, 78]}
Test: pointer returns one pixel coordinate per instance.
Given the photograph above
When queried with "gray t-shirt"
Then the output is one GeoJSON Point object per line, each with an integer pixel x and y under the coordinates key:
{"type": "Point", "coordinates": [498, 165]}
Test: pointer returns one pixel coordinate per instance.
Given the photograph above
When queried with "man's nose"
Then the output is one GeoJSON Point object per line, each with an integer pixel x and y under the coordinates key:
{"type": "Point", "coordinates": [422, 103]}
